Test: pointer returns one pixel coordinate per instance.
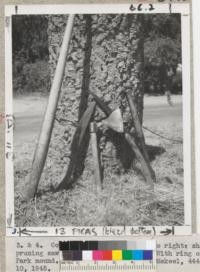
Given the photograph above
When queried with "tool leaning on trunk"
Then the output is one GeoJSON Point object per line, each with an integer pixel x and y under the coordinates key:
{"type": "Point", "coordinates": [114, 121]}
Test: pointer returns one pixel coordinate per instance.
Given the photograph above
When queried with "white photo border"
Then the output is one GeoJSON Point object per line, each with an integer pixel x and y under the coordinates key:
{"type": "Point", "coordinates": [184, 10]}
{"type": "Point", "coordinates": [196, 69]}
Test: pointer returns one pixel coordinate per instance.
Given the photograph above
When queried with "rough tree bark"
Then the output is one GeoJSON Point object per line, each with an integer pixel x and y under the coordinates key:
{"type": "Point", "coordinates": [116, 66]}
{"type": "Point", "coordinates": [106, 57]}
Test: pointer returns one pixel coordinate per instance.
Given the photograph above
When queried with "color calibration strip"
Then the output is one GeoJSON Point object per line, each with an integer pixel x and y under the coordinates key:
{"type": "Point", "coordinates": [107, 255]}
{"type": "Point", "coordinates": [107, 250]}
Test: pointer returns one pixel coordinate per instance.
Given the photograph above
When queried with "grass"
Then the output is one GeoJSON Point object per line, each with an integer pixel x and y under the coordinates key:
{"type": "Point", "coordinates": [125, 199]}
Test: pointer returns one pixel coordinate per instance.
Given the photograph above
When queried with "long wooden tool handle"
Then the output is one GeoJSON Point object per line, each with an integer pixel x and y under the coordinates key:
{"type": "Point", "coordinates": [139, 131]}
{"type": "Point", "coordinates": [102, 105]}
{"type": "Point", "coordinates": [136, 121]}
{"type": "Point", "coordinates": [47, 126]}
{"type": "Point", "coordinates": [96, 161]}
{"type": "Point", "coordinates": [146, 171]}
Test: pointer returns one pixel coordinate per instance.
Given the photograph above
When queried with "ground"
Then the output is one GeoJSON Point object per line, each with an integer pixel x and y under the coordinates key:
{"type": "Point", "coordinates": [125, 199]}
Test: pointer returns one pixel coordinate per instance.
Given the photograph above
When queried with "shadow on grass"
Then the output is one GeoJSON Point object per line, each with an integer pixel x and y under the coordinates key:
{"type": "Point", "coordinates": [154, 151]}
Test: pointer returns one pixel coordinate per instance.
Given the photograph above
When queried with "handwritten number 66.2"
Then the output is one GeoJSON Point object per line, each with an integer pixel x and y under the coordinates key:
{"type": "Point", "coordinates": [141, 7]}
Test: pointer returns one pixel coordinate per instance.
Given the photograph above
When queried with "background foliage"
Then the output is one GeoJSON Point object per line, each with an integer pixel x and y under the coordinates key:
{"type": "Point", "coordinates": [30, 54]}
{"type": "Point", "coordinates": [162, 48]}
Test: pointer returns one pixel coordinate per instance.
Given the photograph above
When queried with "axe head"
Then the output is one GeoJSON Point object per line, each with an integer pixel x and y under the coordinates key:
{"type": "Point", "coordinates": [114, 121]}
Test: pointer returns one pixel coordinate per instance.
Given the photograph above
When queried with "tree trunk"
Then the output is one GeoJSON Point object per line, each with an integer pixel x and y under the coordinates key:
{"type": "Point", "coordinates": [106, 58]}
{"type": "Point", "coordinates": [117, 59]}
{"type": "Point", "coordinates": [116, 66]}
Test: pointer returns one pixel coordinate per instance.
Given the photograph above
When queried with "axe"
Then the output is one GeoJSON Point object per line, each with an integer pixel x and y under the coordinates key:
{"type": "Point", "coordinates": [114, 118]}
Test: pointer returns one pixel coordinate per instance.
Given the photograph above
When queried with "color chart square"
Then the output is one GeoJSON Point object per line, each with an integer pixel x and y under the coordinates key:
{"type": "Point", "coordinates": [77, 255]}
{"type": "Point", "coordinates": [97, 255]}
{"type": "Point", "coordinates": [127, 255]}
{"type": "Point", "coordinates": [67, 255]}
{"type": "Point", "coordinates": [107, 255]}
{"type": "Point", "coordinates": [147, 254]}
{"type": "Point", "coordinates": [117, 255]}
{"type": "Point", "coordinates": [87, 255]}
{"type": "Point", "coordinates": [63, 245]}
{"type": "Point", "coordinates": [137, 255]}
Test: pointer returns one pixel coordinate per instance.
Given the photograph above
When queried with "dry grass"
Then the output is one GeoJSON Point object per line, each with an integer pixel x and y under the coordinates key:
{"type": "Point", "coordinates": [125, 199]}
